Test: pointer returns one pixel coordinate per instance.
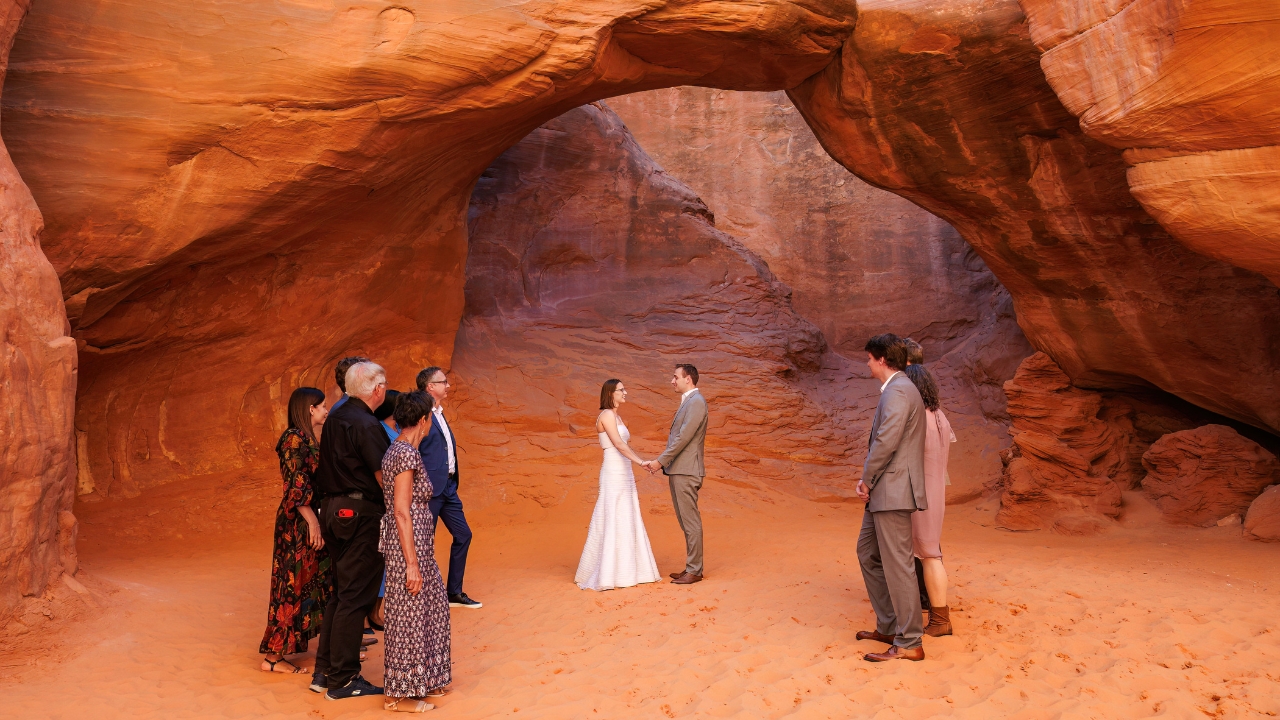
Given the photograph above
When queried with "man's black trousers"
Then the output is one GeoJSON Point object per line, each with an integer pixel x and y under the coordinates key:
{"type": "Point", "coordinates": [357, 574]}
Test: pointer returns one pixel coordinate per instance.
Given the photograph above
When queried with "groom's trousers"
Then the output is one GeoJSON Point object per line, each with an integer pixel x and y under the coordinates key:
{"type": "Point", "coordinates": [684, 496]}
{"type": "Point", "coordinates": [888, 569]}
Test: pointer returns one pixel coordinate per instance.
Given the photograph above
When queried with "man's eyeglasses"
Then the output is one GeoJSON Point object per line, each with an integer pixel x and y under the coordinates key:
{"type": "Point", "coordinates": [439, 382]}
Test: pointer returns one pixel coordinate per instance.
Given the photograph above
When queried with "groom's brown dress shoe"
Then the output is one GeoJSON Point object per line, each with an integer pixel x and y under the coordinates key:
{"type": "Point", "coordinates": [687, 579]}
{"type": "Point", "coordinates": [896, 653]}
{"type": "Point", "coordinates": [675, 575]}
{"type": "Point", "coordinates": [873, 635]}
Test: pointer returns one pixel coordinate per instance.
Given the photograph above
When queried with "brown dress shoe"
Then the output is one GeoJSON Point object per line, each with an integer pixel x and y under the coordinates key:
{"type": "Point", "coordinates": [687, 579]}
{"type": "Point", "coordinates": [939, 622]}
{"type": "Point", "coordinates": [874, 635]}
{"type": "Point", "coordinates": [896, 653]}
{"type": "Point", "coordinates": [675, 575]}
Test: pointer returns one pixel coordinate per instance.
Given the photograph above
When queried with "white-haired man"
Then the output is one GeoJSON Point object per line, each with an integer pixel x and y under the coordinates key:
{"type": "Point", "coordinates": [349, 479]}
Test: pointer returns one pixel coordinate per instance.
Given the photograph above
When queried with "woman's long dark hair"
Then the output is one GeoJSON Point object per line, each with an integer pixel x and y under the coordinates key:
{"type": "Point", "coordinates": [925, 383]}
{"type": "Point", "coordinates": [300, 404]}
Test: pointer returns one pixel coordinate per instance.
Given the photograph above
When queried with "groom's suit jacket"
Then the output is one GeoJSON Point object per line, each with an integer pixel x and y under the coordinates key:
{"type": "Point", "coordinates": [683, 455]}
{"type": "Point", "coordinates": [894, 470]}
{"type": "Point", "coordinates": [435, 458]}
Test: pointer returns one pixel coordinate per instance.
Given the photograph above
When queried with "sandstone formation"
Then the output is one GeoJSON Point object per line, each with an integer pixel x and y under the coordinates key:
{"type": "Point", "coordinates": [1199, 476]}
{"type": "Point", "coordinates": [38, 371]}
{"type": "Point", "coordinates": [1263, 520]}
{"type": "Point", "coordinates": [1064, 469]}
{"type": "Point", "coordinates": [1191, 92]}
{"type": "Point", "coordinates": [860, 260]}
{"type": "Point", "coordinates": [946, 105]}
{"type": "Point", "coordinates": [589, 262]}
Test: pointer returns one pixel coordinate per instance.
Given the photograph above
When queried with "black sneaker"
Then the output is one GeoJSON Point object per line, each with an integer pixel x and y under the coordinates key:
{"type": "Point", "coordinates": [358, 687]}
{"type": "Point", "coordinates": [461, 600]}
{"type": "Point", "coordinates": [317, 682]}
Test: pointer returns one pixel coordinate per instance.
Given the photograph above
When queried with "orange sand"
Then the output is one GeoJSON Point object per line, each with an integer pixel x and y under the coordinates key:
{"type": "Point", "coordinates": [1144, 620]}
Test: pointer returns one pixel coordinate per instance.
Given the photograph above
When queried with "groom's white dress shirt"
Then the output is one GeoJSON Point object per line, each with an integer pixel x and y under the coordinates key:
{"type": "Point", "coordinates": [886, 381]}
{"type": "Point", "coordinates": [685, 396]}
{"type": "Point", "coordinates": [448, 437]}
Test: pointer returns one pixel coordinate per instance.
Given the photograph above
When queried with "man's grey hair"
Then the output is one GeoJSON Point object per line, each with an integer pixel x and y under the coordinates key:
{"type": "Point", "coordinates": [363, 377]}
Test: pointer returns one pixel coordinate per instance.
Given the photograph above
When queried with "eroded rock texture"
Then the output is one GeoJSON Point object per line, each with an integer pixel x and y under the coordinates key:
{"type": "Point", "coordinates": [38, 377]}
{"type": "Point", "coordinates": [1191, 91]}
{"type": "Point", "coordinates": [238, 194]}
{"type": "Point", "coordinates": [1263, 519]}
{"type": "Point", "coordinates": [946, 104]}
{"type": "Point", "coordinates": [860, 260]}
{"type": "Point", "coordinates": [1067, 466]}
{"type": "Point", "coordinates": [589, 262]}
{"type": "Point", "coordinates": [1200, 476]}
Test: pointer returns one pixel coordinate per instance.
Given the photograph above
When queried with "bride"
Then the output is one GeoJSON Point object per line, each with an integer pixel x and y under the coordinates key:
{"type": "Point", "coordinates": [617, 553]}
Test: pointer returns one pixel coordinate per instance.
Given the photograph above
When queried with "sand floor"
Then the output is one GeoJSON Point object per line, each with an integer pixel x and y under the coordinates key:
{"type": "Point", "coordinates": [1143, 621]}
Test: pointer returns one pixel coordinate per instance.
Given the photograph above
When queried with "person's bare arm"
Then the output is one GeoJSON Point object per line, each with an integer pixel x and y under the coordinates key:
{"type": "Point", "coordinates": [404, 529]}
{"type": "Point", "coordinates": [609, 421]}
{"type": "Point", "coordinates": [314, 538]}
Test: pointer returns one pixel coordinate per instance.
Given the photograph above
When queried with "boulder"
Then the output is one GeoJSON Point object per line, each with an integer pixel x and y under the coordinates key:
{"type": "Point", "coordinates": [1200, 476]}
{"type": "Point", "coordinates": [1263, 520]}
{"type": "Point", "coordinates": [1060, 472]}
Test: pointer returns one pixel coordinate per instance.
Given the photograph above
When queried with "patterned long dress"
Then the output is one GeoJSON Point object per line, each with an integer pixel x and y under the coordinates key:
{"type": "Point", "coordinates": [300, 575]}
{"type": "Point", "coordinates": [417, 636]}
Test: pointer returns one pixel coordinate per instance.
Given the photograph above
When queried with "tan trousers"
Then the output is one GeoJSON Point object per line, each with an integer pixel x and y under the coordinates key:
{"type": "Point", "coordinates": [684, 496]}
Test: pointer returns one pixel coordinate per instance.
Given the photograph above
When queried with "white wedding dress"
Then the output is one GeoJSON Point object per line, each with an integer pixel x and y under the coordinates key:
{"type": "Point", "coordinates": [617, 553]}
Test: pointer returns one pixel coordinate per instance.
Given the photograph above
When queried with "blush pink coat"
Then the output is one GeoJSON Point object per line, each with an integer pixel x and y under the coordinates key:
{"type": "Point", "coordinates": [926, 525]}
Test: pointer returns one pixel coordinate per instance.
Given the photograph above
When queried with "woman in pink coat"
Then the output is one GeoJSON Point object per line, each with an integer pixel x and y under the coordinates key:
{"type": "Point", "coordinates": [926, 525]}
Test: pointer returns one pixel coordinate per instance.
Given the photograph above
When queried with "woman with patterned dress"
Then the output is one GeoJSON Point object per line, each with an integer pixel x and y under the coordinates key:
{"type": "Point", "coordinates": [417, 662]}
{"type": "Point", "coordinates": [300, 572]}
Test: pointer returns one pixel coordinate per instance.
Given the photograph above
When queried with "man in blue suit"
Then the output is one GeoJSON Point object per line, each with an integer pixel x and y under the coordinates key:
{"type": "Point", "coordinates": [440, 456]}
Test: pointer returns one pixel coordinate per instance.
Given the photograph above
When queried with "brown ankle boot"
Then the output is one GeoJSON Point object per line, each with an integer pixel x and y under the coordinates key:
{"type": "Point", "coordinates": [939, 622]}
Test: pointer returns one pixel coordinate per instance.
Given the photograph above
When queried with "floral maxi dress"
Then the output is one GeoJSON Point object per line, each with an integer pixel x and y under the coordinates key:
{"type": "Point", "coordinates": [417, 626]}
{"type": "Point", "coordinates": [300, 575]}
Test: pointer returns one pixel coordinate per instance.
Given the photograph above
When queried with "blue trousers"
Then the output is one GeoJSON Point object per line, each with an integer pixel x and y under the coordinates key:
{"type": "Point", "coordinates": [447, 506]}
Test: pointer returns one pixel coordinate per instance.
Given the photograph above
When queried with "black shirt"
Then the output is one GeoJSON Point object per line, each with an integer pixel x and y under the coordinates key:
{"type": "Point", "coordinates": [351, 449]}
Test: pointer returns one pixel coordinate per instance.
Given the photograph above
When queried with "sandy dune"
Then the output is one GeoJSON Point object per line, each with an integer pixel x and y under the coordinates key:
{"type": "Point", "coordinates": [1146, 620]}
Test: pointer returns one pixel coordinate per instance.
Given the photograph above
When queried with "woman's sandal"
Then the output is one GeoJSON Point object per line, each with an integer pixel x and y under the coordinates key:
{"type": "Point", "coordinates": [407, 705]}
{"type": "Point", "coordinates": [273, 664]}
{"type": "Point", "coordinates": [438, 692]}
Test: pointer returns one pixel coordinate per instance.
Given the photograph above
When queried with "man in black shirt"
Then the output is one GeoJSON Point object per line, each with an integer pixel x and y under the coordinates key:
{"type": "Point", "coordinates": [349, 477]}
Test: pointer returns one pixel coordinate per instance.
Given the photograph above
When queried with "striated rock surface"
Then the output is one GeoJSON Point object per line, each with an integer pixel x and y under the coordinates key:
{"type": "Point", "coordinates": [240, 194]}
{"type": "Point", "coordinates": [1200, 476]}
{"type": "Point", "coordinates": [1263, 519]}
{"type": "Point", "coordinates": [1065, 468]}
{"type": "Point", "coordinates": [38, 377]}
{"type": "Point", "coordinates": [860, 260]}
{"type": "Point", "coordinates": [946, 104]}
{"type": "Point", "coordinates": [589, 262]}
{"type": "Point", "coordinates": [1191, 91]}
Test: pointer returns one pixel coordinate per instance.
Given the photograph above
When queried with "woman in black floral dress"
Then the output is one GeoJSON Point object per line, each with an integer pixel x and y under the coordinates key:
{"type": "Point", "coordinates": [417, 663]}
{"type": "Point", "coordinates": [300, 572]}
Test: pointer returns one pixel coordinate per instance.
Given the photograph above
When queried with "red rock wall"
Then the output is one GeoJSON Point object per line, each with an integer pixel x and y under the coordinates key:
{"type": "Point", "coordinates": [1191, 92]}
{"type": "Point", "coordinates": [1065, 469]}
{"type": "Point", "coordinates": [240, 194]}
{"type": "Point", "coordinates": [860, 260]}
{"type": "Point", "coordinates": [1200, 476]}
{"type": "Point", "coordinates": [589, 262]}
{"type": "Point", "coordinates": [38, 371]}
{"type": "Point", "coordinates": [946, 105]}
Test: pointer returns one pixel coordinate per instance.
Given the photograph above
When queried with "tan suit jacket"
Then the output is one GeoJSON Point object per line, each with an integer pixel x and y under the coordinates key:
{"type": "Point", "coordinates": [683, 455]}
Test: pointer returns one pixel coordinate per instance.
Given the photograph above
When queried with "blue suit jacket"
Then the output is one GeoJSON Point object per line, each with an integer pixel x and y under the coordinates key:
{"type": "Point", "coordinates": [435, 456]}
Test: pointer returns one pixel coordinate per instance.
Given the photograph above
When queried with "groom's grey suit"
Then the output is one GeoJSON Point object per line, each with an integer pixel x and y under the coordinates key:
{"type": "Point", "coordinates": [682, 464]}
{"type": "Point", "coordinates": [894, 475]}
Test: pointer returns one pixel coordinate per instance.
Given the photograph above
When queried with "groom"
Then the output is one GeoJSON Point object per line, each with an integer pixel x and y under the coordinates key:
{"type": "Point", "coordinates": [892, 485]}
{"type": "Point", "coordinates": [681, 462]}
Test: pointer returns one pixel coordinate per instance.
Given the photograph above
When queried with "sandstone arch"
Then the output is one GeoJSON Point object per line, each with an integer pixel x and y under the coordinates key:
{"type": "Point", "coordinates": [229, 184]}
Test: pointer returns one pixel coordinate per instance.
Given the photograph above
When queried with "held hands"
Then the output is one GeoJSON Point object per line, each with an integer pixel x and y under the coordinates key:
{"type": "Point", "coordinates": [413, 580]}
{"type": "Point", "coordinates": [651, 465]}
{"type": "Point", "coordinates": [863, 492]}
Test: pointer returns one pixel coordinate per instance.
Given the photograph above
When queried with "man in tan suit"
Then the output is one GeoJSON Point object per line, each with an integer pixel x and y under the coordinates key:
{"type": "Point", "coordinates": [892, 485]}
{"type": "Point", "coordinates": [681, 462]}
